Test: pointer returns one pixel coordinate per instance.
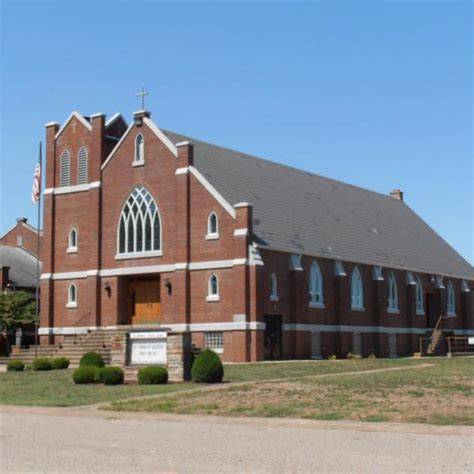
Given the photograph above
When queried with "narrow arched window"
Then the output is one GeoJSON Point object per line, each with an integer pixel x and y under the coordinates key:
{"type": "Point", "coordinates": [212, 226]}
{"type": "Point", "coordinates": [392, 293]}
{"type": "Point", "coordinates": [451, 299]}
{"type": "Point", "coordinates": [139, 149]}
{"type": "Point", "coordinates": [65, 169]}
{"type": "Point", "coordinates": [139, 229]}
{"type": "Point", "coordinates": [357, 290]}
{"type": "Point", "coordinates": [72, 296]}
{"type": "Point", "coordinates": [273, 288]}
{"type": "Point", "coordinates": [72, 241]}
{"type": "Point", "coordinates": [213, 288]}
{"type": "Point", "coordinates": [315, 286]}
{"type": "Point", "coordinates": [82, 158]}
{"type": "Point", "coordinates": [420, 307]}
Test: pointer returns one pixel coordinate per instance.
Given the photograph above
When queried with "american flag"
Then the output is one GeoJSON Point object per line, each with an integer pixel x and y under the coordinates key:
{"type": "Point", "coordinates": [35, 194]}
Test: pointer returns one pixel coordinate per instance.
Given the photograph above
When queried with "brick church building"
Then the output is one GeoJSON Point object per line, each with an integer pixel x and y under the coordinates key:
{"type": "Point", "coordinates": [144, 227]}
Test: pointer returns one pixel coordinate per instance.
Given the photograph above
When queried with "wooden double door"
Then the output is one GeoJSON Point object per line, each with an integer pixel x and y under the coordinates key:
{"type": "Point", "coordinates": [145, 301]}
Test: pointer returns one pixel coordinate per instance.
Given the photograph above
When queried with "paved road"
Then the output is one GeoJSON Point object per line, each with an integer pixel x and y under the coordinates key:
{"type": "Point", "coordinates": [87, 440]}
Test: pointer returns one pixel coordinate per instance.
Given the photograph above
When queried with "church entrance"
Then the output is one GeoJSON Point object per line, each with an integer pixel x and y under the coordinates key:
{"type": "Point", "coordinates": [272, 337]}
{"type": "Point", "coordinates": [144, 300]}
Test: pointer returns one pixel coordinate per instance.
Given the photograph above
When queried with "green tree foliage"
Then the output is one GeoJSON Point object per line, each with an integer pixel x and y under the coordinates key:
{"type": "Point", "coordinates": [16, 308]}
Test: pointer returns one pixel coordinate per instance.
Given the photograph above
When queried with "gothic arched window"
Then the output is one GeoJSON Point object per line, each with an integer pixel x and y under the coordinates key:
{"type": "Point", "coordinates": [139, 149]}
{"type": "Point", "coordinates": [72, 296]}
{"type": "Point", "coordinates": [139, 228]}
{"type": "Point", "coordinates": [315, 285]}
{"type": "Point", "coordinates": [82, 158]}
{"type": "Point", "coordinates": [451, 300]}
{"type": "Point", "coordinates": [212, 225]}
{"type": "Point", "coordinates": [273, 288]}
{"type": "Point", "coordinates": [420, 307]}
{"type": "Point", "coordinates": [213, 288]}
{"type": "Point", "coordinates": [64, 169]}
{"type": "Point", "coordinates": [392, 293]}
{"type": "Point", "coordinates": [357, 290]}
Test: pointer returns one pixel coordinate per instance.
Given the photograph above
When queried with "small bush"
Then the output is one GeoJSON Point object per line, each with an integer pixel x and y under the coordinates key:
{"type": "Point", "coordinates": [15, 366]}
{"type": "Point", "coordinates": [350, 355]}
{"type": "Point", "coordinates": [371, 356]}
{"type": "Point", "coordinates": [152, 375]}
{"type": "Point", "coordinates": [85, 374]}
{"type": "Point", "coordinates": [110, 376]}
{"type": "Point", "coordinates": [207, 368]}
{"type": "Point", "coordinates": [42, 363]}
{"type": "Point", "coordinates": [92, 359]}
{"type": "Point", "coordinates": [60, 362]}
{"type": "Point", "coordinates": [332, 357]}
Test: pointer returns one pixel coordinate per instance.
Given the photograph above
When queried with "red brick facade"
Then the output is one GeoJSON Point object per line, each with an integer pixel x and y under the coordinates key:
{"type": "Point", "coordinates": [188, 259]}
{"type": "Point", "coordinates": [22, 235]}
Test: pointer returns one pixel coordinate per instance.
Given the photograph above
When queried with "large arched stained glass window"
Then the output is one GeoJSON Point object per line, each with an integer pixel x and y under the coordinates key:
{"type": "Point", "coordinates": [139, 227]}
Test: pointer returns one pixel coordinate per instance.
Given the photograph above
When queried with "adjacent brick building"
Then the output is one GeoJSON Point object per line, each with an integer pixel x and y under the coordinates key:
{"type": "Point", "coordinates": [257, 260]}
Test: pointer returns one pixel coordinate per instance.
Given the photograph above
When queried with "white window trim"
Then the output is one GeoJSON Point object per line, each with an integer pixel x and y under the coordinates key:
{"type": "Point", "coordinates": [316, 305]}
{"type": "Point", "coordinates": [418, 286]}
{"type": "Point", "coordinates": [212, 235]}
{"type": "Point", "coordinates": [217, 350]}
{"type": "Point", "coordinates": [144, 253]}
{"type": "Point", "coordinates": [71, 303]}
{"type": "Point", "coordinates": [141, 160]}
{"type": "Point", "coordinates": [212, 297]}
{"type": "Point", "coordinates": [72, 248]}
{"type": "Point", "coordinates": [450, 309]}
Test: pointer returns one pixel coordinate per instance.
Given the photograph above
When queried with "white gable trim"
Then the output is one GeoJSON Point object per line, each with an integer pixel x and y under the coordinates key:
{"type": "Point", "coordinates": [212, 190]}
{"type": "Point", "coordinates": [79, 117]}
{"type": "Point", "coordinates": [152, 126]}
{"type": "Point", "coordinates": [116, 147]}
{"type": "Point", "coordinates": [114, 118]}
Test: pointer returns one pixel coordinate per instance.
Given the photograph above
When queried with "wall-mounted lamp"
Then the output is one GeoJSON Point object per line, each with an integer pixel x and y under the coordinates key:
{"type": "Point", "coordinates": [168, 286]}
{"type": "Point", "coordinates": [107, 287]}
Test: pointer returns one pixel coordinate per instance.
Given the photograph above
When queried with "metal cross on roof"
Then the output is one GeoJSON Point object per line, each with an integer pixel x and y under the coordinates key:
{"type": "Point", "coordinates": [142, 95]}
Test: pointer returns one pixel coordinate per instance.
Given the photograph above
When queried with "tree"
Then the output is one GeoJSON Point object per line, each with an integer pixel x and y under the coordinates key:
{"type": "Point", "coordinates": [16, 308]}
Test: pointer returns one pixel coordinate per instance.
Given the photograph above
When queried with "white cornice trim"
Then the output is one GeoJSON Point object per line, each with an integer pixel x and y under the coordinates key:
{"type": "Point", "coordinates": [212, 190]}
{"type": "Point", "coordinates": [351, 329]}
{"type": "Point", "coordinates": [153, 127]}
{"type": "Point", "coordinates": [114, 118]}
{"type": "Point", "coordinates": [137, 270]}
{"type": "Point", "coordinates": [77, 188]}
{"type": "Point", "coordinates": [116, 147]}
{"type": "Point", "coordinates": [241, 232]}
{"type": "Point", "coordinates": [79, 117]}
{"type": "Point", "coordinates": [184, 170]}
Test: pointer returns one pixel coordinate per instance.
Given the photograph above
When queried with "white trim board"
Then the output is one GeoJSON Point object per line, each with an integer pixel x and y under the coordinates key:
{"type": "Point", "coordinates": [79, 117]}
{"type": "Point", "coordinates": [166, 141]}
{"type": "Point", "coordinates": [351, 329]}
{"type": "Point", "coordinates": [77, 188]}
{"type": "Point", "coordinates": [194, 327]}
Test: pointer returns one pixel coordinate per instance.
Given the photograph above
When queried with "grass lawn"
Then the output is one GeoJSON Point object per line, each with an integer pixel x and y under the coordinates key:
{"type": "Point", "coordinates": [440, 394]}
{"type": "Point", "coordinates": [56, 388]}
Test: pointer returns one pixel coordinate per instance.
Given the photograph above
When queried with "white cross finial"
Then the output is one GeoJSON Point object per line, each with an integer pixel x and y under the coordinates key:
{"type": "Point", "coordinates": [142, 95]}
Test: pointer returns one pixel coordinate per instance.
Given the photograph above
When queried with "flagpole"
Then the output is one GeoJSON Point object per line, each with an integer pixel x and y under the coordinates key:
{"type": "Point", "coordinates": [38, 249]}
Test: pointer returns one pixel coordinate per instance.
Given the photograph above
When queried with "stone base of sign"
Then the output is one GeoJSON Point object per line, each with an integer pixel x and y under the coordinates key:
{"type": "Point", "coordinates": [178, 354]}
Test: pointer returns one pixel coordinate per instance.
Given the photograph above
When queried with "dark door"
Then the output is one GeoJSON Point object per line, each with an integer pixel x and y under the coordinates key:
{"type": "Point", "coordinates": [430, 311]}
{"type": "Point", "coordinates": [273, 340]}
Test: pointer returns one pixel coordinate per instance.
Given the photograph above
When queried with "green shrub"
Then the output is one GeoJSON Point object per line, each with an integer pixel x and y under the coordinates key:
{"type": "Point", "coordinates": [207, 368]}
{"type": "Point", "coordinates": [371, 356]}
{"type": "Point", "coordinates": [15, 366]}
{"type": "Point", "coordinates": [110, 376]}
{"type": "Point", "coordinates": [332, 357]}
{"type": "Point", "coordinates": [42, 363]}
{"type": "Point", "coordinates": [152, 375]}
{"type": "Point", "coordinates": [350, 355]}
{"type": "Point", "coordinates": [85, 374]}
{"type": "Point", "coordinates": [60, 362]}
{"type": "Point", "coordinates": [92, 359]}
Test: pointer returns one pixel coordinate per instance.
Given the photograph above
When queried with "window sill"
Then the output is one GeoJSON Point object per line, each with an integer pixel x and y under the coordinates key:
{"type": "Point", "coordinates": [393, 311]}
{"type": "Point", "coordinates": [71, 305]}
{"type": "Point", "coordinates": [212, 298]}
{"type": "Point", "coordinates": [217, 351]}
{"type": "Point", "coordinates": [71, 250]}
{"type": "Point", "coordinates": [274, 299]}
{"type": "Point", "coordinates": [316, 305]}
{"type": "Point", "coordinates": [420, 313]}
{"type": "Point", "coordinates": [357, 308]}
{"type": "Point", "coordinates": [128, 256]}
{"type": "Point", "coordinates": [135, 164]}
{"type": "Point", "coordinates": [212, 236]}
{"type": "Point", "coordinates": [451, 315]}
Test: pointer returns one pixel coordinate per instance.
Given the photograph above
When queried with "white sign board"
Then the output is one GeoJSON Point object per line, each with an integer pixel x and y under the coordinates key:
{"type": "Point", "coordinates": [470, 340]}
{"type": "Point", "coordinates": [148, 347]}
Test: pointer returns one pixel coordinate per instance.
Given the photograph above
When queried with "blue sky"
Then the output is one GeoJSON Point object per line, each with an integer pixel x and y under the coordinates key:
{"type": "Point", "coordinates": [378, 94]}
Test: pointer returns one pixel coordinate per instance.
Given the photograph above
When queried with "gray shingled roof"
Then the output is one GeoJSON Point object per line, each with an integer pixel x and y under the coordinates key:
{"type": "Point", "coordinates": [301, 212]}
{"type": "Point", "coordinates": [22, 266]}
